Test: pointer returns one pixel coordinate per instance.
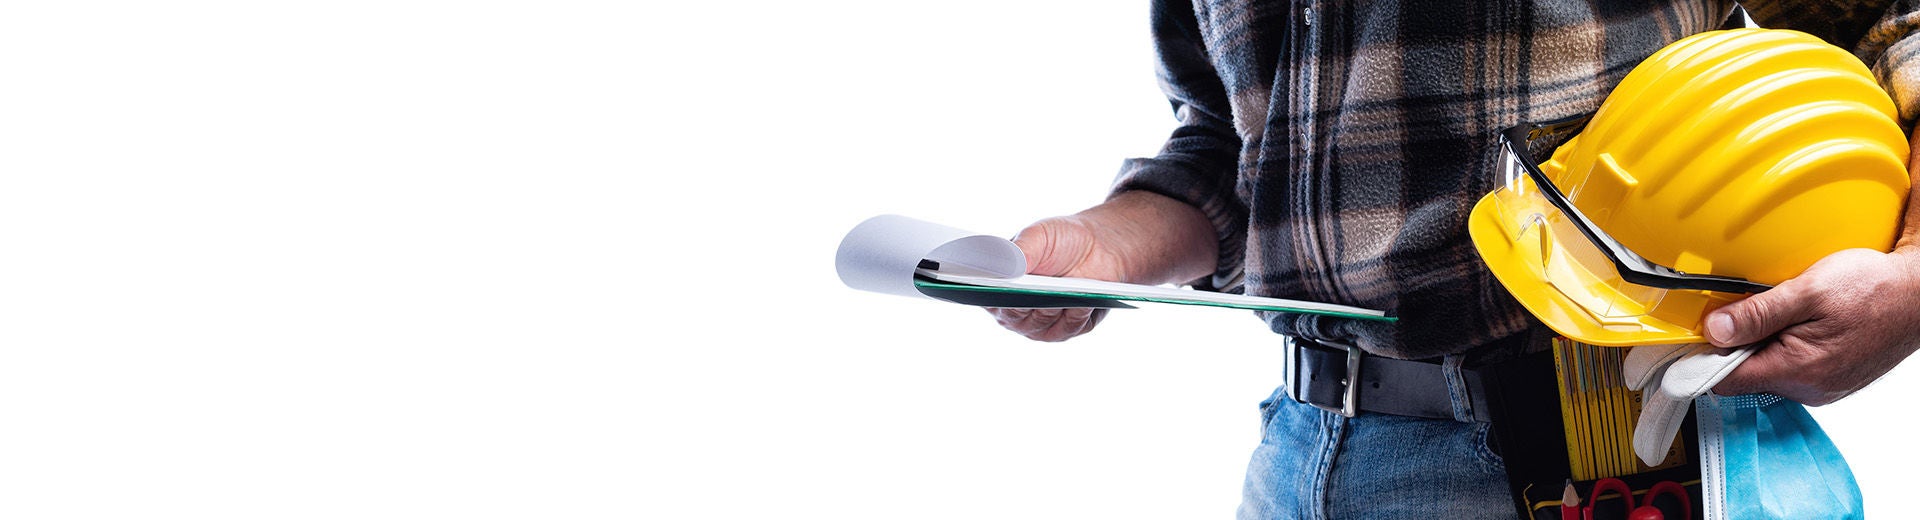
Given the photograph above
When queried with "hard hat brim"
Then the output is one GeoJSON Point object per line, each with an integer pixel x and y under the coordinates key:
{"type": "Point", "coordinates": [1518, 267]}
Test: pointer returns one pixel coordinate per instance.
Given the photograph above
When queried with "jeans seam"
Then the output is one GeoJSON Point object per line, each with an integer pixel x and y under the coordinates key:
{"type": "Point", "coordinates": [1333, 427]}
{"type": "Point", "coordinates": [1483, 446]}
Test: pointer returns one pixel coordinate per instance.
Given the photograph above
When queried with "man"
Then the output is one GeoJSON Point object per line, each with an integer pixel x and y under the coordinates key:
{"type": "Point", "coordinates": [1331, 152]}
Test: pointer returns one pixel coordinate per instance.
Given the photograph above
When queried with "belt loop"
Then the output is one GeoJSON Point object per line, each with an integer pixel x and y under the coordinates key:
{"type": "Point", "coordinates": [1452, 366]}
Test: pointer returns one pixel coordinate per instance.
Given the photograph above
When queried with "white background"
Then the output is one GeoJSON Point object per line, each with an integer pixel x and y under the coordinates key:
{"type": "Point", "coordinates": [411, 259]}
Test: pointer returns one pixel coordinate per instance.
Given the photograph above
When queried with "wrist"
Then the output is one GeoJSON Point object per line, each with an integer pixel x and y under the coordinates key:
{"type": "Point", "coordinates": [1906, 256]}
{"type": "Point", "coordinates": [1162, 240]}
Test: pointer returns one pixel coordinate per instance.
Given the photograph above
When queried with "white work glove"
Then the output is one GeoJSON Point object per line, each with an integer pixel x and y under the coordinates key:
{"type": "Point", "coordinates": [1669, 378]}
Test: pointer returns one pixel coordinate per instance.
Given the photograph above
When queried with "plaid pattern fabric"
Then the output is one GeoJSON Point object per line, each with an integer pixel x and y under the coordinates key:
{"type": "Point", "coordinates": [1337, 147]}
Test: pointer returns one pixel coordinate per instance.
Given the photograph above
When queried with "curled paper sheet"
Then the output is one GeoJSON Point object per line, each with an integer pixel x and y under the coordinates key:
{"type": "Point", "coordinates": [883, 253]}
{"type": "Point", "coordinates": [903, 256]}
{"type": "Point", "coordinates": [892, 254]}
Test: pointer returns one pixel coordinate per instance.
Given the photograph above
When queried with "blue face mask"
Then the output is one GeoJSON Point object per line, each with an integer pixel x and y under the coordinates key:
{"type": "Point", "coordinates": [1764, 457]}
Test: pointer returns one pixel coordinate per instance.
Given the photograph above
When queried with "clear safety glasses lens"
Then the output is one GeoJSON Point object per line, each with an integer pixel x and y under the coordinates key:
{"type": "Point", "coordinates": [1566, 259]}
{"type": "Point", "coordinates": [1576, 257]}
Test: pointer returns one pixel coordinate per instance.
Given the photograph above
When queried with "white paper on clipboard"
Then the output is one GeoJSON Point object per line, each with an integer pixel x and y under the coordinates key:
{"type": "Point", "coordinates": [898, 255]}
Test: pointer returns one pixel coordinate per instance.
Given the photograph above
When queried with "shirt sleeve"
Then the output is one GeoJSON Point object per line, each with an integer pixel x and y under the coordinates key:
{"type": "Point", "coordinates": [1197, 164]}
{"type": "Point", "coordinates": [1880, 33]}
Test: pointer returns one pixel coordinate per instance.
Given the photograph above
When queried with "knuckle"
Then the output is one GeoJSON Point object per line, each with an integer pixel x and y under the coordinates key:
{"type": "Point", "coordinates": [1748, 314]}
{"type": "Point", "coordinates": [1767, 309]}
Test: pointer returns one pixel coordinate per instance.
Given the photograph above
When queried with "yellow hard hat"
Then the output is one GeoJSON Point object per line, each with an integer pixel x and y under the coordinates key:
{"type": "Point", "coordinates": [1725, 162]}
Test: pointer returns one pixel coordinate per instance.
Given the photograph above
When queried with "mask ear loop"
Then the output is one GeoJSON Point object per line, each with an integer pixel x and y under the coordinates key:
{"type": "Point", "coordinates": [1713, 457]}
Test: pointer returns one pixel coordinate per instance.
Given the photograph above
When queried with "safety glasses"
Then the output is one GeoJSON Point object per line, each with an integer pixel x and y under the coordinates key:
{"type": "Point", "coordinates": [1576, 257]}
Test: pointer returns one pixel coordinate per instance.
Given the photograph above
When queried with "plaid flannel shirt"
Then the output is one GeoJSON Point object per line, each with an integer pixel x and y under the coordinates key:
{"type": "Point", "coordinates": [1338, 146]}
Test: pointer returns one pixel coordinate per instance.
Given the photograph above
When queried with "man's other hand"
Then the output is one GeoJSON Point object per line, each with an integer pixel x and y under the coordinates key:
{"type": "Point", "coordinates": [1135, 237]}
{"type": "Point", "coordinates": [1061, 246]}
{"type": "Point", "coordinates": [1827, 333]}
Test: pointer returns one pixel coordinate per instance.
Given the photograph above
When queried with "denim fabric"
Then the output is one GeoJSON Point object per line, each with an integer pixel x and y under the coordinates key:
{"type": "Point", "coordinates": [1316, 464]}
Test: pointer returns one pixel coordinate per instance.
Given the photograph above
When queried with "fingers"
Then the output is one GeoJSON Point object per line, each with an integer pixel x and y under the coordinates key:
{"type": "Point", "coordinates": [1788, 369]}
{"type": "Point", "coordinates": [1765, 371]}
{"type": "Point", "coordinates": [1754, 375]}
{"type": "Point", "coordinates": [1774, 375]}
{"type": "Point", "coordinates": [1049, 324]}
{"type": "Point", "coordinates": [1056, 246]}
{"type": "Point", "coordinates": [1072, 322]}
{"type": "Point", "coordinates": [1748, 321]}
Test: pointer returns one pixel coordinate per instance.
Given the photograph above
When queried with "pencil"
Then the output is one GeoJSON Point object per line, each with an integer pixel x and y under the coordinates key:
{"type": "Point", "coordinates": [1570, 503]}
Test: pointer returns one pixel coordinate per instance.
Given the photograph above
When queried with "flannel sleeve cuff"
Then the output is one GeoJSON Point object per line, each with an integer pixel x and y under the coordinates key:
{"type": "Point", "coordinates": [1898, 66]}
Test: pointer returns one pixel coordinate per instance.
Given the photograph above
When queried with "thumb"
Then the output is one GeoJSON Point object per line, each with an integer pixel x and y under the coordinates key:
{"type": "Point", "coordinates": [1053, 247]}
{"type": "Point", "coordinates": [1759, 316]}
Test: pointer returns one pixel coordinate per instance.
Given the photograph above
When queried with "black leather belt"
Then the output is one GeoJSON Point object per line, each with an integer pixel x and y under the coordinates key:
{"type": "Point", "coordinates": [1319, 373]}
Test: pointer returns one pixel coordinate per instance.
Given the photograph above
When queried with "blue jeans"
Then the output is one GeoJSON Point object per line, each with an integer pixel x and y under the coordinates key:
{"type": "Point", "coordinates": [1317, 464]}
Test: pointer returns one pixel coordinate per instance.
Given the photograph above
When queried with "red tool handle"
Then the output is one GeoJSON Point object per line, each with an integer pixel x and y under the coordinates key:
{"type": "Point", "coordinates": [1668, 487]}
{"type": "Point", "coordinates": [1607, 484]}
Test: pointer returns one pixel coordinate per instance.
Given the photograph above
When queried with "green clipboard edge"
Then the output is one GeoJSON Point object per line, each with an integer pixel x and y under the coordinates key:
{"type": "Point", "coordinates": [923, 282]}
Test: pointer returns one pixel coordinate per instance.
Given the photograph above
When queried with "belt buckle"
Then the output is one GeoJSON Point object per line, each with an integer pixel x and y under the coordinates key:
{"type": "Point", "coordinates": [1350, 385]}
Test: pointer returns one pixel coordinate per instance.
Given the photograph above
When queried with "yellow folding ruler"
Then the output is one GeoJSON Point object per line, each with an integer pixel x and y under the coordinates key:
{"type": "Point", "coordinates": [1599, 412]}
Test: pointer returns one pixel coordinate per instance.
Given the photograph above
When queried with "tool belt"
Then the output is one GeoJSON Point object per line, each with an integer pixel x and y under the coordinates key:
{"type": "Point", "coordinates": [1346, 380]}
{"type": "Point", "coordinates": [1524, 399]}
{"type": "Point", "coordinates": [1566, 421]}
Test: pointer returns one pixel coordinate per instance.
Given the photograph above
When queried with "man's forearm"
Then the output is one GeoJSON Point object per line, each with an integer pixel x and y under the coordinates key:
{"type": "Point", "coordinates": [1165, 240]}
